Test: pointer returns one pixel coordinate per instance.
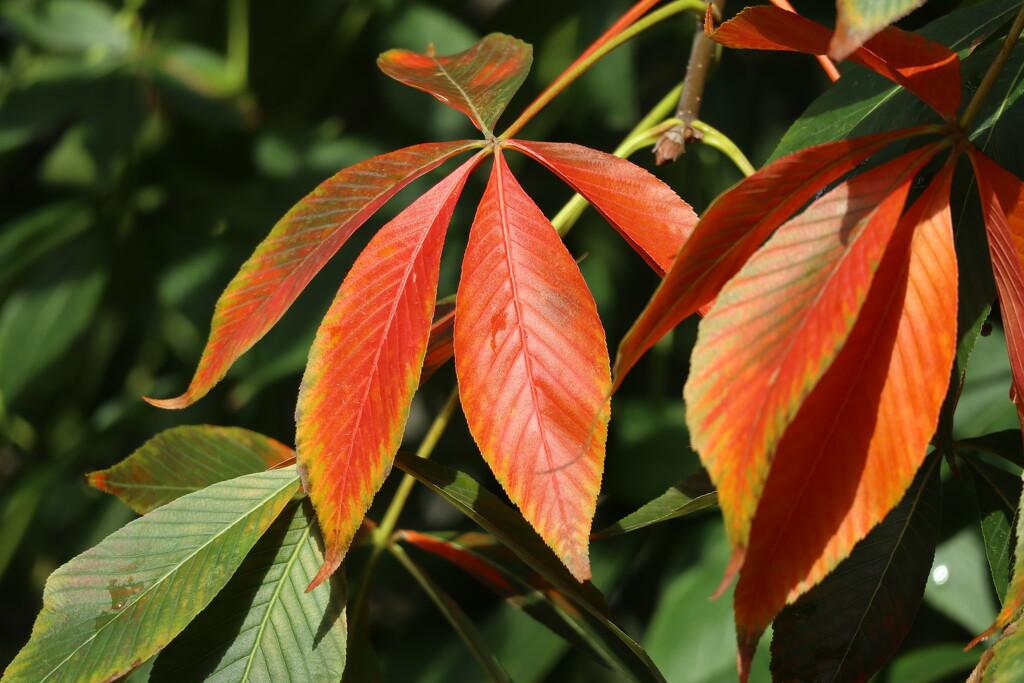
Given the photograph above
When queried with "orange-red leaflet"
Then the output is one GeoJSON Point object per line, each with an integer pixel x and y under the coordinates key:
{"type": "Point", "coordinates": [532, 364]}
{"type": "Point", "coordinates": [365, 363]}
{"type": "Point", "coordinates": [777, 326]}
{"type": "Point", "coordinates": [929, 70]}
{"type": "Point", "coordinates": [861, 435]}
{"type": "Point", "coordinates": [297, 248]}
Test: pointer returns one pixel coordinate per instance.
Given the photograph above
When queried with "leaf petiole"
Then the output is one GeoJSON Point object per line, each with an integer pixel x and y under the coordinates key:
{"type": "Point", "coordinates": [989, 79]}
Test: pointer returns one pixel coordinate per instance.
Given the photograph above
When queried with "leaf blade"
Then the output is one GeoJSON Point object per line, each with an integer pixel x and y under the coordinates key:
{"type": "Point", "coordinates": [531, 360]}
{"type": "Point", "coordinates": [479, 82]}
{"type": "Point", "coordinates": [365, 363]}
{"type": "Point", "coordinates": [94, 627]}
{"type": "Point", "coordinates": [859, 20]}
{"type": "Point", "coordinates": [296, 249]}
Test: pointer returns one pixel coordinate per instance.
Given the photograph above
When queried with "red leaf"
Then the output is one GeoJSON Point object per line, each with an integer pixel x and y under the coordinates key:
{"type": "Point", "coordinates": [479, 81]}
{"type": "Point", "coordinates": [777, 326]}
{"type": "Point", "coordinates": [297, 248]}
{"type": "Point", "coordinates": [929, 70]}
{"type": "Point", "coordinates": [364, 366]}
{"type": "Point", "coordinates": [533, 370]}
{"type": "Point", "coordinates": [1002, 203]}
{"type": "Point", "coordinates": [733, 227]}
{"type": "Point", "coordinates": [454, 552]}
{"type": "Point", "coordinates": [646, 211]}
{"type": "Point", "coordinates": [857, 441]}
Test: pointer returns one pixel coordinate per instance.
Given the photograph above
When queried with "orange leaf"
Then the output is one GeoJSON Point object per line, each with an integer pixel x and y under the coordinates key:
{"type": "Point", "coordinates": [1002, 203]}
{"type": "Point", "coordinates": [479, 81]}
{"type": "Point", "coordinates": [857, 441]}
{"type": "Point", "coordinates": [439, 345]}
{"type": "Point", "coordinates": [646, 211]}
{"type": "Point", "coordinates": [533, 369]}
{"type": "Point", "coordinates": [296, 249]}
{"type": "Point", "coordinates": [929, 70]}
{"type": "Point", "coordinates": [776, 328]}
{"type": "Point", "coordinates": [364, 366]}
{"type": "Point", "coordinates": [733, 227]}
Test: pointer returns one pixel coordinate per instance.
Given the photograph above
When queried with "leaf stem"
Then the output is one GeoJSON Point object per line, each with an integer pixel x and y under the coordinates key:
{"type": "Point", "coordinates": [237, 51]}
{"type": "Point", "coordinates": [673, 142]}
{"type": "Point", "coordinates": [592, 55]}
{"type": "Point", "coordinates": [989, 80]}
{"type": "Point", "coordinates": [381, 535]}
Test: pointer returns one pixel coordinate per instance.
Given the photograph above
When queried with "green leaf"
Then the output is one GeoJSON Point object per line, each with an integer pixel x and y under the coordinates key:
{"type": "Point", "coordinates": [931, 664]}
{"type": "Point", "coordinates": [692, 494]}
{"type": "Point", "coordinates": [511, 529]}
{"type": "Point", "coordinates": [863, 103]}
{"type": "Point", "coordinates": [30, 236]}
{"type": "Point", "coordinates": [1007, 444]}
{"type": "Point", "coordinates": [848, 626]}
{"type": "Point", "coordinates": [73, 26]}
{"type": "Point", "coordinates": [996, 493]}
{"type": "Point", "coordinates": [117, 604]}
{"type": "Point", "coordinates": [181, 460]}
{"type": "Point", "coordinates": [263, 626]}
{"type": "Point", "coordinates": [959, 585]}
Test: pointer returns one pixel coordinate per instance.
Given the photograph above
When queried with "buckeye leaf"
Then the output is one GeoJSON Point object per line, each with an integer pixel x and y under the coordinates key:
{"type": "Point", "coordinates": [297, 248]}
{"type": "Point", "coordinates": [849, 625]}
{"type": "Point", "coordinates": [181, 460]}
{"type": "Point", "coordinates": [777, 326]}
{"type": "Point", "coordinates": [262, 626]}
{"type": "Point", "coordinates": [732, 229]}
{"type": "Point", "coordinates": [532, 365]}
{"type": "Point", "coordinates": [858, 20]}
{"type": "Point", "coordinates": [364, 366]}
{"type": "Point", "coordinates": [860, 436]}
{"type": "Point", "coordinates": [651, 217]}
{"type": "Point", "coordinates": [929, 70]}
{"type": "Point", "coordinates": [479, 82]}
{"type": "Point", "coordinates": [119, 603]}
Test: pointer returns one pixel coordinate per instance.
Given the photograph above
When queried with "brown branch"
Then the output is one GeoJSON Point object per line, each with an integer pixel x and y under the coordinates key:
{"type": "Point", "coordinates": [673, 142]}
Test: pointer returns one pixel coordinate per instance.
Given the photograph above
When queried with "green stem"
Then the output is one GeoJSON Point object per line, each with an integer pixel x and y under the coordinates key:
{"type": "Point", "coordinates": [574, 72]}
{"type": "Point", "coordinates": [381, 535]}
{"type": "Point", "coordinates": [715, 138]}
{"type": "Point", "coordinates": [989, 80]}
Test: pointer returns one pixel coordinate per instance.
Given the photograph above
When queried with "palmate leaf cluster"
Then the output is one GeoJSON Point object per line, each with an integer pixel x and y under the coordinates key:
{"type": "Point", "coordinates": [826, 386]}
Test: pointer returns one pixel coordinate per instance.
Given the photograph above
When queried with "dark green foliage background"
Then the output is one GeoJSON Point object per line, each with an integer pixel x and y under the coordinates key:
{"type": "Point", "coordinates": [147, 147]}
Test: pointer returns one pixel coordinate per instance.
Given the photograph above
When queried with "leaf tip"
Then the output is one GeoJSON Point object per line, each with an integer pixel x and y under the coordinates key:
{"type": "Point", "coordinates": [731, 571]}
{"type": "Point", "coordinates": [177, 403]}
{"type": "Point", "coordinates": [332, 560]}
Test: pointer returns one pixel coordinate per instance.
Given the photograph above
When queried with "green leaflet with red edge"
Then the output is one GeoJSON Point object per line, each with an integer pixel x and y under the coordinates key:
{"type": "Point", "coordinates": [1003, 207]}
{"type": "Point", "coordinates": [532, 365]}
{"type": "Point", "coordinates": [184, 459]}
{"type": "Point", "coordinates": [732, 229]}
{"type": "Point", "coordinates": [297, 248]}
{"type": "Point", "coordinates": [777, 326]}
{"type": "Point", "coordinates": [479, 82]}
{"type": "Point", "coordinates": [651, 217]}
{"type": "Point", "coordinates": [860, 436]}
{"type": "Point", "coordinates": [929, 70]}
{"type": "Point", "coordinates": [858, 20]}
{"type": "Point", "coordinates": [364, 366]}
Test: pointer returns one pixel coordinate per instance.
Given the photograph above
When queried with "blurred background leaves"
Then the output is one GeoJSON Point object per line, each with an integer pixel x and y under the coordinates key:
{"type": "Point", "coordinates": [147, 146]}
